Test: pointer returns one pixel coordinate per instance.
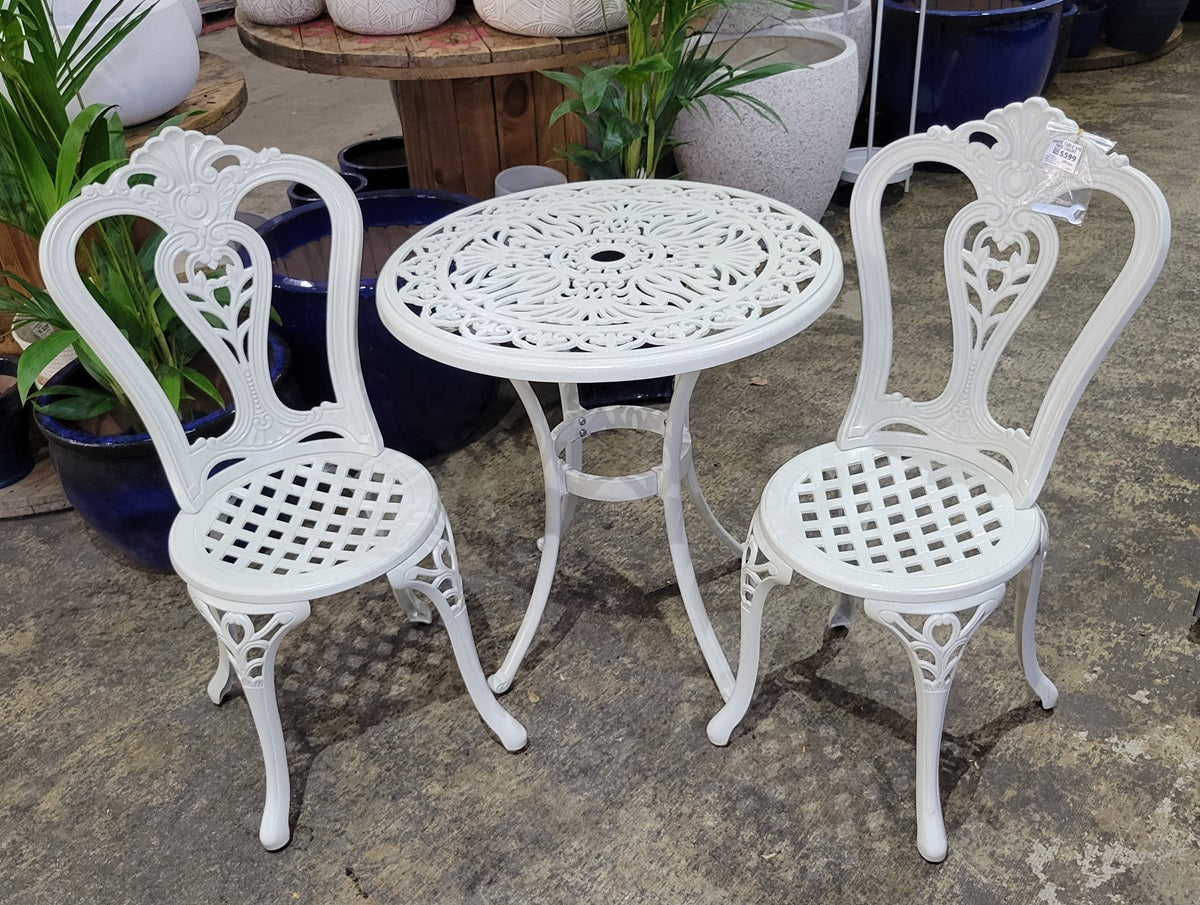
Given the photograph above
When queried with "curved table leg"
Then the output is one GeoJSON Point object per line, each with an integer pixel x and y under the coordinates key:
{"type": "Point", "coordinates": [670, 489]}
{"type": "Point", "coordinates": [556, 491]}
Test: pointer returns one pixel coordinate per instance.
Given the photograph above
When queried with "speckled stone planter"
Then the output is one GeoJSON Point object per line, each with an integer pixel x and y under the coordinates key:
{"type": "Point", "coordinates": [800, 164]}
{"type": "Point", "coordinates": [855, 20]}
{"type": "Point", "coordinates": [280, 12]}
{"type": "Point", "coordinates": [553, 18]}
{"type": "Point", "coordinates": [388, 17]}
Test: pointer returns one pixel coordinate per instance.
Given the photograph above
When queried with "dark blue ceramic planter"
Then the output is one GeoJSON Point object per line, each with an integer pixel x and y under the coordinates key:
{"type": "Point", "coordinates": [381, 161]}
{"type": "Point", "coordinates": [1089, 21]}
{"type": "Point", "coordinates": [117, 484]}
{"type": "Point", "coordinates": [1142, 26]}
{"type": "Point", "coordinates": [16, 458]}
{"type": "Point", "coordinates": [424, 408]}
{"type": "Point", "coordinates": [973, 60]}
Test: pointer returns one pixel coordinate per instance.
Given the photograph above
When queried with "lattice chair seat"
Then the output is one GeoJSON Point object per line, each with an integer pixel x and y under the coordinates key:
{"type": "Point", "coordinates": [902, 525]}
{"type": "Point", "coordinates": [288, 504]}
{"type": "Point", "coordinates": [923, 509]}
{"type": "Point", "coordinates": [308, 522]}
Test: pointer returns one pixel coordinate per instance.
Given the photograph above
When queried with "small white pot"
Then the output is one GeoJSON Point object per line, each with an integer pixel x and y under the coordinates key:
{"type": "Point", "coordinates": [853, 18]}
{"type": "Point", "coordinates": [799, 165]}
{"type": "Point", "coordinates": [151, 71]}
{"type": "Point", "coordinates": [280, 12]}
{"type": "Point", "coordinates": [389, 17]}
{"type": "Point", "coordinates": [553, 18]}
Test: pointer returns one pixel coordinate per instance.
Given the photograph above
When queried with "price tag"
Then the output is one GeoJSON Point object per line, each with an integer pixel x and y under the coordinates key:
{"type": "Point", "coordinates": [1063, 154]}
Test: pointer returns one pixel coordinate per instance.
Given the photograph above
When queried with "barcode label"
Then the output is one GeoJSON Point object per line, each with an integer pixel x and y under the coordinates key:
{"type": "Point", "coordinates": [1063, 154]}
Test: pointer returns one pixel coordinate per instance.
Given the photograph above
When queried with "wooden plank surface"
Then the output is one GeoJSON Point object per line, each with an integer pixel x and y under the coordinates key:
{"type": "Point", "coordinates": [218, 97]}
{"type": "Point", "coordinates": [463, 47]}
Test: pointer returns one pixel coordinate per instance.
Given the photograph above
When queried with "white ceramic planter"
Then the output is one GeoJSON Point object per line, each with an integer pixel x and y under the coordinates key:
{"type": "Point", "coordinates": [281, 12]}
{"type": "Point", "coordinates": [152, 70]}
{"type": "Point", "coordinates": [855, 19]}
{"type": "Point", "coordinates": [553, 18]}
{"type": "Point", "coordinates": [799, 165]}
{"type": "Point", "coordinates": [389, 17]}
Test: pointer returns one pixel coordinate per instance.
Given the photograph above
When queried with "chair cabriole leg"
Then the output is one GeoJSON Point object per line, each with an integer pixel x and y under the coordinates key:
{"type": "Point", "coordinates": [934, 645]}
{"type": "Point", "coordinates": [1028, 585]}
{"type": "Point", "coordinates": [251, 641]}
{"type": "Point", "coordinates": [222, 680]}
{"type": "Point", "coordinates": [441, 582]}
{"type": "Point", "coordinates": [759, 575]}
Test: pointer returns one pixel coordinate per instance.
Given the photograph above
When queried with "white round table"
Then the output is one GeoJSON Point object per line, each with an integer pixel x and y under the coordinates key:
{"type": "Point", "coordinates": [610, 281]}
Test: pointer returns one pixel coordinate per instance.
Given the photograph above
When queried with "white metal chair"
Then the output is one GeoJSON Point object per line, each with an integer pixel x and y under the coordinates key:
{"type": "Point", "coordinates": [925, 509]}
{"type": "Point", "coordinates": [287, 505]}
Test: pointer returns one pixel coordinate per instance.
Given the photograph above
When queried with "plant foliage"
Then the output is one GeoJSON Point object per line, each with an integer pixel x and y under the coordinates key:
{"type": "Point", "coordinates": [47, 155]}
{"type": "Point", "coordinates": [629, 109]}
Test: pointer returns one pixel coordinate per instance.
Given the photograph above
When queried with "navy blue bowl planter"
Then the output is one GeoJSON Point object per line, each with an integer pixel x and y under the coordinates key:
{"type": "Point", "coordinates": [1141, 26]}
{"type": "Point", "coordinates": [299, 194]}
{"type": "Point", "coordinates": [973, 61]}
{"type": "Point", "coordinates": [16, 457]}
{"type": "Point", "coordinates": [117, 483]}
{"type": "Point", "coordinates": [424, 408]}
{"type": "Point", "coordinates": [1089, 22]}
{"type": "Point", "coordinates": [383, 162]}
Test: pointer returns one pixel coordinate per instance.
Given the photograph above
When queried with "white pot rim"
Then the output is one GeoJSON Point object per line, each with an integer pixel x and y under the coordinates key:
{"type": "Point", "coordinates": [846, 44]}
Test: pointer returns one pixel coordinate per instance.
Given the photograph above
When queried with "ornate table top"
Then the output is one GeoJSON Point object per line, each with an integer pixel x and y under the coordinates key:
{"type": "Point", "coordinates": [609, 280]}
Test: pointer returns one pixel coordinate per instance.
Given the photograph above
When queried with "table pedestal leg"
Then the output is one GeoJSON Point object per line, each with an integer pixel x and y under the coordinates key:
{"type": "Point", "coordinates": [556, 493]}
{"type": "Point", "coordinates": [565, 481]}
{"type": "Point", "coordinates": [670, 490]}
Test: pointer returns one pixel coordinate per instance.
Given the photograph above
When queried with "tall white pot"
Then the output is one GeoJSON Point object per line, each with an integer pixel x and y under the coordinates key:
{"type": "Point", "coordinates": [152, 70]}
{"type": "Point", "coordinates": [853, 18]}
{"type": "Point", "coordinates": [800, 162]}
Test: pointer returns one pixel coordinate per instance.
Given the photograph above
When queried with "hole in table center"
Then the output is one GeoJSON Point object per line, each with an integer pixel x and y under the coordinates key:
{"type": "Point", "coordinates": [608, 256]}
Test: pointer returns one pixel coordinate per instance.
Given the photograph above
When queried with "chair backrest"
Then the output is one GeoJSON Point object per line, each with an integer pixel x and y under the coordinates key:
{"type": "Point", "coordinates": [191, 186]}
{"type": "Point", "coordinates": [999, 253]}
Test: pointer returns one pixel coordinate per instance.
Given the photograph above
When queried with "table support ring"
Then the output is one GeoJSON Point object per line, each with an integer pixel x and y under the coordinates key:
{"type": "Point", "coordinates": [560, 450]}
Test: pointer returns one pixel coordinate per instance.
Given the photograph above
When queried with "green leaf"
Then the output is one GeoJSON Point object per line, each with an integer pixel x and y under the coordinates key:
{"type": "Point", "coordinates": [76, 403]}
{"type": "Point", "coordinates": [204, 385]}
{"type": "Point", "coordinates": [38, 356]}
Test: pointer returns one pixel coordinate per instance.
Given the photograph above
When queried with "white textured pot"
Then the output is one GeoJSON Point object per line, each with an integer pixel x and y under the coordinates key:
{"type": "Point", "coordinates": [281, 12]}
{"type": "Point", "coordinates": [152, 70]}
{"type": "Point", "coordinates": [389, 17]}
{"type": "Point", "coordinates": [553, 18]}
{"type": "Point", "coordinates": [192, 8]}
{"type": "Point", "coordinates": [799, 165]}
{"type": "Point", "coordinates": [854, 19]}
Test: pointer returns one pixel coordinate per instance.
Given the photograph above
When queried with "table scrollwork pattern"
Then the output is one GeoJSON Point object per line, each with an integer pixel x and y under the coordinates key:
{"type": "Point", "coordinates": [609, 266]}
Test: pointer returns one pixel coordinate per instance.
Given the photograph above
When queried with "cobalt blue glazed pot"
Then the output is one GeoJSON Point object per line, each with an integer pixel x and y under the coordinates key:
{"type": "Point", "coordinates": [973, 60]}
{"type": "Point", "coordinates": [1065, 29]}
{"type": "Point", "coordinates": [16, 458]}
{"type": "Point", "coordinates": [117, 483]}
{"type": "Point", "coordinates": [424, 408]}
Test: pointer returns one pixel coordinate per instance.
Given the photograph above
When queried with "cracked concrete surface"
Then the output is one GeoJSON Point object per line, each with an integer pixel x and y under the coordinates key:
{"type": "Point", "coordinates": [121, 783]}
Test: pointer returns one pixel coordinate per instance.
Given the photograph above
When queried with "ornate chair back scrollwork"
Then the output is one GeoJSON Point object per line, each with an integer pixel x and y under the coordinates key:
{"type": "Point", "coordinates": [924, 509]}
{"type": "Point", "coordinates": [286, 504]}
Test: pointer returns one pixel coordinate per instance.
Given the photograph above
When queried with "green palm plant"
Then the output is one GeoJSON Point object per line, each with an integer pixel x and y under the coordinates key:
{"type": "Point", "coordinates": [48, 153]}
{"type": "Point", "coordinates": [629, 109]}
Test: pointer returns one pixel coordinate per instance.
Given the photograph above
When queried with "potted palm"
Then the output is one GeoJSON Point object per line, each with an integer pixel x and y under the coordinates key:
{"type": "Point", "coordinates": [629, 111]}
{"type": "Point", "coordinates": [50, 148]}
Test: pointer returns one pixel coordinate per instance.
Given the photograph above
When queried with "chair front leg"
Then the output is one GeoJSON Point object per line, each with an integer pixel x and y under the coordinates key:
{"type": "Point", "coordinates": [434, 574]}
{"type": "Point", "coordinates": [1029, 583]}
{"type": "Point", "coordinates": [250, 637]}
{"type": "Point", "coordinates": [935, 636]}
{"type": "Point", "coordinates": [760, 573]}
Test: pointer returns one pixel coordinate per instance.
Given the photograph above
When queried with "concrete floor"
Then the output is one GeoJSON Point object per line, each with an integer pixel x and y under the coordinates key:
{"type": "Point", "coordinates": [121, 783]}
